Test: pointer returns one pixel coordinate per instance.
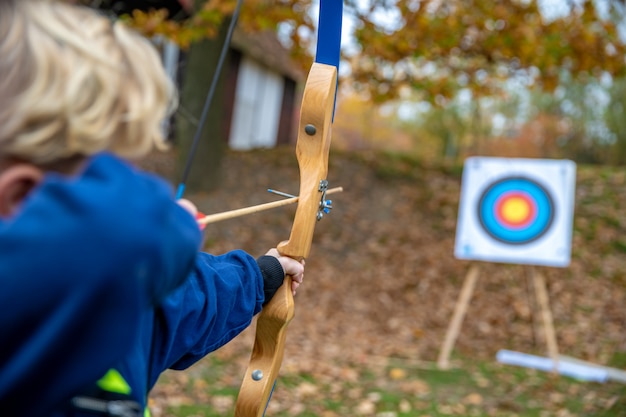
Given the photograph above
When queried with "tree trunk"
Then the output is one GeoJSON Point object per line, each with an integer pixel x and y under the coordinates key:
{"type": "Point", "coordinates": [201, 63]}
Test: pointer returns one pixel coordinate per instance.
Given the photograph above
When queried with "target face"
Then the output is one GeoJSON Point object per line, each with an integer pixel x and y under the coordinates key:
{"type": "Point", "coordinates": [516, 211]}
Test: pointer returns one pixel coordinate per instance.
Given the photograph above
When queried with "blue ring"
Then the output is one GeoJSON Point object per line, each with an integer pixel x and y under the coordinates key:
{"type": "Point", "coordinates": [506, 234]}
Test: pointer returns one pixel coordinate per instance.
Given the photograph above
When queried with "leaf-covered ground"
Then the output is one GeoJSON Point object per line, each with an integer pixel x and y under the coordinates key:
{"type": "Point", "coordinates": [380, 287]}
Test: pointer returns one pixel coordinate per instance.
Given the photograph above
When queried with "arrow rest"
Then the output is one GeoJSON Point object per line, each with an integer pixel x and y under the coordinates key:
{"type": "Point", "coordinates": [325, 205]}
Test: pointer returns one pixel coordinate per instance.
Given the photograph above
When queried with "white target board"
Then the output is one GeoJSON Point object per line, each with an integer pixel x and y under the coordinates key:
{"type": "Point", "coordinates": [516, 211]}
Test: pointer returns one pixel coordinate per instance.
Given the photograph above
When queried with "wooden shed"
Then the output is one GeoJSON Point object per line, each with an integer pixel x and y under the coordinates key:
{"type": "Point", "coordinates": [264, 105]}
{"type": "Point", "coordinates": [261, 90]}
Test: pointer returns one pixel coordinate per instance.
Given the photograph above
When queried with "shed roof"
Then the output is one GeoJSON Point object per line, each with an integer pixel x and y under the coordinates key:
{"type": "Point", "coordinates": [265, 48]}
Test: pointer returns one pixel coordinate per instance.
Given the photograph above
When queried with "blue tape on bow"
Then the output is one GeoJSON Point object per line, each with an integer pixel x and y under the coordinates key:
{"type": "Point", "coordinates": [329, 32]}
{"type": "Point", "coordinates": [329, 35]}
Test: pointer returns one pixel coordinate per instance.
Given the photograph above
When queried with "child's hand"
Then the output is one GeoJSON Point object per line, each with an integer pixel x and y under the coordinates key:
{"type": "Point", "coordinates": [293, 268]}
{"type": "Point", "coordinates": [189, 206]}
{"type": "Point", "coordinates": [192, 209]}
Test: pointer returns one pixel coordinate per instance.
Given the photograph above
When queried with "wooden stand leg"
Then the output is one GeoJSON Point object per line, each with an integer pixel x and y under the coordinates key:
{"type": "Point", "coordinates": [548, 324]}
{"type": "Point", "coordinates": [531, 294]}
{"type": "Point", "coordinates": [459, 312]}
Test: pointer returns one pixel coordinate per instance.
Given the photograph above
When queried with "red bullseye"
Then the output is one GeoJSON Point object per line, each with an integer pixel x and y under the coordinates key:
{"type": "Point", "coordinates": [515, 210]}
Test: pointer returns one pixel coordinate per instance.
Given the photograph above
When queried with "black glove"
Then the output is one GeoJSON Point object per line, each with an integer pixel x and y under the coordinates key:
{"type": "Point", "coordinates": [273, 275]}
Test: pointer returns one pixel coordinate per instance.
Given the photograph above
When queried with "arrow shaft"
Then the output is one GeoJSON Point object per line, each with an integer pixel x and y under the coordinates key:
{"type": "Point", "coordinates": [231, 214]}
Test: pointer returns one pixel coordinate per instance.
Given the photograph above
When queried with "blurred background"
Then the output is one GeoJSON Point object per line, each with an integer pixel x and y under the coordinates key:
{"type": "Point", "coordinates": [423, 85]}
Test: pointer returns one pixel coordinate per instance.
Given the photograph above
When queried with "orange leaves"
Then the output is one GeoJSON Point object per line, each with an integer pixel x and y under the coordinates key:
{"type": "Point", "coordinates": [256, 15]}
{"type": "Point", "coordinates": [463, 37]}
{"type": "Point", "coordinates": [291, 16]}
{"type": "Point", "coordinates": [432, 47]}
{"type": "Point", "coordinates": [203, 24]}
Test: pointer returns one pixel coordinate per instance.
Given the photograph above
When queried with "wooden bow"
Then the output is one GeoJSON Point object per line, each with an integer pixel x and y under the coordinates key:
{"type": "Point", "coordinates": [312, 148]}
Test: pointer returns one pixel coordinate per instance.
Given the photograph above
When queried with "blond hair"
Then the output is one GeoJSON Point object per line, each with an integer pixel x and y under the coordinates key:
{"type": "Point", "coordinates": [73, 83]}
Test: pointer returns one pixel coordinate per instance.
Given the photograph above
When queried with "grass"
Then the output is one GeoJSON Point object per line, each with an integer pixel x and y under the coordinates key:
{"type": "Point", "coordinates": [473, 389]}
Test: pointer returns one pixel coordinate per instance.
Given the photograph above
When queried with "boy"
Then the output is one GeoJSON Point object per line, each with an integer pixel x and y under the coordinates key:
{"type": "Point", "coordinates": [95, 256]}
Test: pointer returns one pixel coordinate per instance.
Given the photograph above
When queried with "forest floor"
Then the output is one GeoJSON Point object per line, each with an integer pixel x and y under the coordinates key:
{"type": "Point", "coordinates": [380, 288]}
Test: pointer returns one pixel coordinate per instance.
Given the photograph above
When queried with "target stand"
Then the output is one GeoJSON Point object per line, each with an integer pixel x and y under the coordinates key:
{"type": "Point", "coordinates": [517, 211]}
{"type": "Point", "coordinates": [537, 281]}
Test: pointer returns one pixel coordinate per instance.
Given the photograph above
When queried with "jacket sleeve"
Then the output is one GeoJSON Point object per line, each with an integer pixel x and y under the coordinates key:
{"type": "Point", "coordinates": [80, 263]}
{"type": "Point", "coordinates": [214, 305]}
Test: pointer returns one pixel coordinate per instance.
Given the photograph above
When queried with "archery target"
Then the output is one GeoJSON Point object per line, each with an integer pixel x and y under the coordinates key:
{"type": "Point", "coordinates": [516, 211]}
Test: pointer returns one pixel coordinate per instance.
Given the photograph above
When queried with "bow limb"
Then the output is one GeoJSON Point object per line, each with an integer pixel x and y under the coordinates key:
{"type": "Point", "coordinates": [312, 149]}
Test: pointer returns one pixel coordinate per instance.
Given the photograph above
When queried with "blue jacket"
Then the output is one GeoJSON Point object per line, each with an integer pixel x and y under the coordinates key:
{"type": "Point", "coordinates": [82, 266]}
{"type": "Point", "coordinates": [213, 306]}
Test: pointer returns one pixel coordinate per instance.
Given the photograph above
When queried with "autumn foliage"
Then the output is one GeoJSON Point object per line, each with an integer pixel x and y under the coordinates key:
{"type": "Point", "coordinates": [443, 46]}
{"type": "Point", "coordinates": [256, 16]}
{"type": "Point", "coordinates": [432, 48]}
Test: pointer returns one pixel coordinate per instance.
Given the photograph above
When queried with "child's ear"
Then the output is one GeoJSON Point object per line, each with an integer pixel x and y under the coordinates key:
{"type": "Point", "coordinates": [16, 182]}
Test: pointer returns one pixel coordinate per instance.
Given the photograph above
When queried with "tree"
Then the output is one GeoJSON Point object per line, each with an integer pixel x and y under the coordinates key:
{"type": "Point", "coordinates": [198, 73]}
{"type": "Point", "coordinates": [438, 47]}
{"type": "Point", "coordinates": [202, 58]}
{"type": "Point", "coordinates": [185, 24]}
{"type": "Point", "coordinates": [200, 29]}
{"type": "Point", "coordinates": [616, 121]}
{"type": "Point", "coordinates": [429, 49]}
